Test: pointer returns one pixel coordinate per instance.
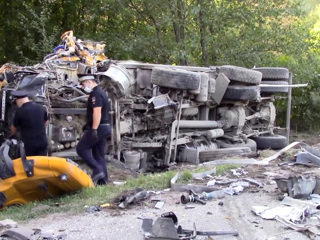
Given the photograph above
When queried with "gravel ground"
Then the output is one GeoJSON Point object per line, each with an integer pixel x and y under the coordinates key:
{"type": "Point", "coordinates": [234, 214]}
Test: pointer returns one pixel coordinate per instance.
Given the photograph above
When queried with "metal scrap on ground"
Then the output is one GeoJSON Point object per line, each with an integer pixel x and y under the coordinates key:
{"type": "Point", "coordinates": [165, 227]}
{"type": "Point", "coordinates": [11, 230]}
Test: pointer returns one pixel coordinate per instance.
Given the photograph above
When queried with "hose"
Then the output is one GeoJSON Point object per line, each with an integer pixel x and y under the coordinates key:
{"type": "Point", "coordinates": [73, 99]}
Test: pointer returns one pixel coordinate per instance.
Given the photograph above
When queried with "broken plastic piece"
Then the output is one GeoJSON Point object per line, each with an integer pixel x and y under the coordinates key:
{"type": "Point", "coordinates": [159, 205]}
{"type": "Point", "coordinates": [242, 184]}
{"type": "Point", "coordinates": [254, 182]}
{"type": "Point", "coordinates": [229, 191]}
{"type": "Point", "coordinates": [164, 228]}
{"type": "Point", "coordinates": [211, 183]}
{"type": "Point", "coordinates": [171, 215]}
{"type": "Point", "coordinates": [136, 197]}
{"type": "Point", "coordinates": [214, 195]}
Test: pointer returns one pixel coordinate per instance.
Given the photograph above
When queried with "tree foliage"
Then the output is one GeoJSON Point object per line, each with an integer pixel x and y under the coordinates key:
{"type": "Point", "coordinates": [249, 33]}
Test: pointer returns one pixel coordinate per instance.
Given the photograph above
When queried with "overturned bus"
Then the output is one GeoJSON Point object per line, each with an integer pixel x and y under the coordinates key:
{"type": "Point", "coordinates": [161, 114]}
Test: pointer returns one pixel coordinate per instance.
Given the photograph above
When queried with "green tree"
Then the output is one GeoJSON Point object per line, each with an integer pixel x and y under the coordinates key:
{"type": "Point", "coordinates": [305, 65]}
{"type": "Point", "coordinates": [26, 33]}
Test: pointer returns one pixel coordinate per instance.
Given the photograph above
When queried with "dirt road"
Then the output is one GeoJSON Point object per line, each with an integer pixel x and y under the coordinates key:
{"type": "Point", "coordinates": [233, 213]}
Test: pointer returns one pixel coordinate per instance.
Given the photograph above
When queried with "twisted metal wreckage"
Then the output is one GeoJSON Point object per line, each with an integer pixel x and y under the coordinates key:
{"type": "Point", "coordinates": [160, 113]}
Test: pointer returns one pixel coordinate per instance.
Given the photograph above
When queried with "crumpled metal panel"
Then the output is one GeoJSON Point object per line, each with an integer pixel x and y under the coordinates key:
{"type": "Point", "coordinates": [120, 78]}
{"type": "Point", "coordinates": [297, 186]}
{"type": "Point", "coordinates": [307, 158]}
{"type": "Point", "coordinates": [161, 101]}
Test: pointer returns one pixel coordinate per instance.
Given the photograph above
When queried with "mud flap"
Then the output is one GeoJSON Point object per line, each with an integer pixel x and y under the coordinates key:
{"type": "Point", "coordinates": [222, 84]}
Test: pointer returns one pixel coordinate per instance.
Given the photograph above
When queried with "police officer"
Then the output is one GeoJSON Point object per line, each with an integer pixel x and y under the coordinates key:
{"type": "Point", "coordinates": [30, 120]}
{"type": "Point", "coordinates": [92, 146]}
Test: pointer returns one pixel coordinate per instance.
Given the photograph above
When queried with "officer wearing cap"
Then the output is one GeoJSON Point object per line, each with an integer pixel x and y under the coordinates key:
{"type": "Point", "coordinates": [92, 145]}
{"type": "Point", "coordinates": [30, 120]}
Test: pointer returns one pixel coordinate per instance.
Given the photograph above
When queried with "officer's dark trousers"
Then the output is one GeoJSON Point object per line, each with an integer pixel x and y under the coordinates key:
{"type": "Point", "coordinates": [36, 147]}
{"type": "Point", "coordinates": [93, 151]}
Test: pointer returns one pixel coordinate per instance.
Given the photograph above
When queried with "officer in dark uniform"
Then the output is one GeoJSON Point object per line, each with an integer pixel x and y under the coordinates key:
{"type": "Point", "coordinates": [92, 146]}
{"type": "Point", "coordinates": [30, 120]}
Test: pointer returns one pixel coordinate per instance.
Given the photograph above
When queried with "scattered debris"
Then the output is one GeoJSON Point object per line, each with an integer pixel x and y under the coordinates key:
{"type": "Point", "coordinates": [159, 205]}
{"type": "Point", "coordinates": [189, 206]}
{"type": "Point", "coordinates": [206, 174]}
{"type": "Point", "coordinates": [171, 215]}
{"type": "Point", "coordinates": [234, 161]}
{"type": "Point", "coordinates": [214, 195]}
{"type": "Point", "coordinates": [297, 186]}
{"type": "Point", "coordinates": [254, 182]}
{"type": "Point", "coordinates": [108, 205]}
{"type": "Point", "coordinates": [294, 214]}
{"type": "Point", "coordinates": [226, 181]}
{"type": "Point", "coordinates": [245, 161]}
{"type": "Point", "coordinates": [238, 172]}
{"type": "Point", "coordinates": [310, 157]}
{"type": "Point", "coordinates": [211, 183]}
{"type": "Point", "coordinates": [288, 201]}
{"type": "Point", "coordinates": [283, 150]}
{"type": "Point", "coordinates": [311, 230]}
{"type": "Point", "coordinates": [133, 197]}
{"type": "Point", "coordinates": [255, 221]}
{"type": "Point", "coordinates": [201, 198]}
{"type": "Point", "coordinates": [187, 187]}
{"type": "Point", "coordinates": [193, 197]}
{"type": "Point", "coordinates": [118, 183]}
{"type": "Point", "coordinates": [234, 190]}
{"type": "Point", "coordinates": [237, 184]}
{"type": "Point", "coordinates": [164, 227]}
{"type": "Point", "coordinates": [91, 209]}
{"type": "Point", "coordinates": [8, 223]}
{"type": "Point", "coordinates": [12, 230]}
